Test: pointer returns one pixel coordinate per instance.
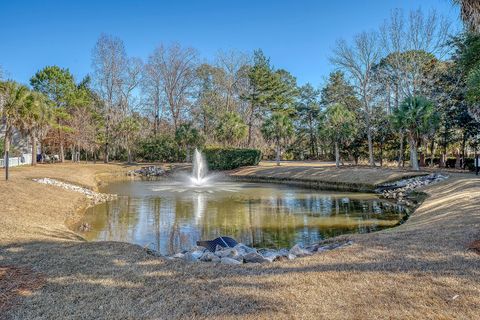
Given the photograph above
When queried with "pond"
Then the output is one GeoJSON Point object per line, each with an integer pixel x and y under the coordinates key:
{"type": "Point", "coordinates": [167, 217]}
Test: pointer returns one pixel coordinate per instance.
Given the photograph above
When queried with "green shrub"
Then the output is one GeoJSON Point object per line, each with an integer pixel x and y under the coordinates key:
{"type": "Point", "coordinates": [227, 159]}
{"type": "Point", "coordinates": [2, 150]}
{"type": "Point", "coordinates": [161, 148]}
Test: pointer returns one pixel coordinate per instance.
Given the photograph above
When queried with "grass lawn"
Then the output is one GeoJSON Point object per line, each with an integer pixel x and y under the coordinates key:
{"type": "Point", "coordinates": [421, 269]}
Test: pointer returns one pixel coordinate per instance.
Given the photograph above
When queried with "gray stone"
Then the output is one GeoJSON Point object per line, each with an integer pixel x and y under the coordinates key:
{"type": "Point", "coordinates": [271, 255]}
{"type": "Point", "coordinates": [193, 255]}
{"type": "Point", "coordinates": [229, 253]}
{"type": "Point", "coordinates": [227, 260]}
{"type": "Point", "coordinates": [254, 257]}
{"type": "Point", "coordinates": [209, 257]}
{"type": "Point", "coordinates": [298, 251]}
{"type": "Point", "coordinates": [243, 249]}
{"type": "Point", "coordinates": [178, 255]}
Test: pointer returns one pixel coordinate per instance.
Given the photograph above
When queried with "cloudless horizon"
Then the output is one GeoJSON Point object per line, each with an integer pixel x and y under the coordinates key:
{"type": "Point", "coordinates": [297, 35]}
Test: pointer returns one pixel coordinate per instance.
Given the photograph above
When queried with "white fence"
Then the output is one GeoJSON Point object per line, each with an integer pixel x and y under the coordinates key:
{"type": "Point", "coordinates": [17, 161]}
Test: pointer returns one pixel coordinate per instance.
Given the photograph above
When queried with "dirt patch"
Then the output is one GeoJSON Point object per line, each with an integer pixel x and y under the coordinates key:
{"type": "Point", "coordinates": [475, 246]}
{"type": "Point", "coordinates": [16, 283]}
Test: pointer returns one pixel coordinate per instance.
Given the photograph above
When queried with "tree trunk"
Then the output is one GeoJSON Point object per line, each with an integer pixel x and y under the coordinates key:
{"type": "Point", "coordinates": [62, 151]}
{"type": "Point", "coordinates": [337, 155]}
{"type": "Point", "coordinates": [107, 137]}
{"type": "Point", "coordinates": [464, 142]}
{"type": "Point", "coordinates": [129, 157]}
{"type": "Point", "coordinates": [370, 148]}
{"type": "Point", "coordinates": [7, 151]}
{"type": "Point", "coordinates": [432, 152]}
{"type": "Point", "coordinates": [422, 159]}
{"type": "Point", "coordinates": [277, 157]}
{"type": "Point", "coordinates": [457, 159]}
{"type": "Point", "coordinates": [400, 152]}
{"type": "Point", "coordinates": [34, 149]}
{"type": "Point", "coordinates": [381, 154]}
{"type": "Point", "coordinates": [155, 124]}
{"type": "Point", "coordinates": [443, 160]}
{"type": "Point", "coordinates": [312, 145]}
{"type": "Point", "coordinates": [250, 131]}
{"type": "Point", "coordinates": [413, 154]}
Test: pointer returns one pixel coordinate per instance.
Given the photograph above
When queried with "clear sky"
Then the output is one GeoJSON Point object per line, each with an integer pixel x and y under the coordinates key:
{"type": "Point", "coordinates": [297, 35]}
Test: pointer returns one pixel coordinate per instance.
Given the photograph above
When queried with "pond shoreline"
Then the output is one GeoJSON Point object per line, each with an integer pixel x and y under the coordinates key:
{"type": "Point", "coordinates": [411, 201]}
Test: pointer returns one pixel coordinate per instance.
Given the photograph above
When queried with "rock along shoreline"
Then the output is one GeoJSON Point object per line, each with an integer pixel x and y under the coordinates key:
{"type": "Point", "coordinates": [400, 190]}
{"type": "Point", "coordinates": [242, 253]}
{"type": "Point", "coordinates": [94, 197]}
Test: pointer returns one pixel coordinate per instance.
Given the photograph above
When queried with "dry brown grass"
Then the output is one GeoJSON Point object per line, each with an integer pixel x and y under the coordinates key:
{"type": "Point", "coordinates": [419, 270]}
{"type": "Point", "coordinates": [346, 177]}
{"type": "Point", "coordinates": [16, 283]}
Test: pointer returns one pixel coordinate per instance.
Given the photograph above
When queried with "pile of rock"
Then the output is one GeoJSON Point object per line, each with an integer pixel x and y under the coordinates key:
{"type": "Point", "coordinates": [95, 197]}
{"type": "Point", "coordinates": [149, 171]}
{"type": "Point", "coordinates": [244, 254]}
{"type": "Point", "coordinates": [400, 189]}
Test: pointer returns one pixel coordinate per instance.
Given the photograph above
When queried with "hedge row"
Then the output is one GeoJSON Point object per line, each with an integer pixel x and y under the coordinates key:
{"type": "Point", "coordinates": [450, 163]}
{"type": "Point", "coordinates": [228, 159]}
{"type": "Point", "coordinates": [161, 148]}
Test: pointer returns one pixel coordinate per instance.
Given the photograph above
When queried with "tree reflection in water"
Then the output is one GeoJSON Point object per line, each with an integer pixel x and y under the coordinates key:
{"type": "Point", "coordinates": [169, 218]}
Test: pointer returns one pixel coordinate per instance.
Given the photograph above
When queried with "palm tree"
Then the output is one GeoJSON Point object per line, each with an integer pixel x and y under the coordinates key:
{"type": "Point", "coordinates": [415, 116]}
{"type": "Point", "coordinates": [14, 97]}
{"type": "Point", "coordinates": [188, 137]}
{"type": "Point", "coordinates": [34, 115]}
{"type": "Point", "coordinates": [470, 11]}
{"type": "Point", "coordinates": [277, 128]}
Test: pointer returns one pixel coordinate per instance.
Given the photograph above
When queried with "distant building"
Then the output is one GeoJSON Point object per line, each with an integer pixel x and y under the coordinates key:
{"type": "Point", "coordinates": [20, 144]}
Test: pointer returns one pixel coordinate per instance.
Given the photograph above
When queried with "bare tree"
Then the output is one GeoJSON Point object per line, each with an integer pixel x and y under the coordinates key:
{"type": "Point", "coordinates": [108, 61]}
{"type": "Point", "coordinates": [152, 89]}
{"type": "Point", "coordinates": [358, 60]}
{"type": "Point", "coordinates": [233, 65]}
{"type": "Point", "coordinates": [407, 42]}
{"type": "Point", "coordinates": [176, 67]}
{"type": "Point", "coordinates": [130, 82]}
{"type": "Point", "coordinates": [410, 45]}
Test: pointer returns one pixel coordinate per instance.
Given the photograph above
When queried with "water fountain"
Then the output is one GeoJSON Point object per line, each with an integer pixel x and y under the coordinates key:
{"type": "Point", "coordinates": [199, 171]}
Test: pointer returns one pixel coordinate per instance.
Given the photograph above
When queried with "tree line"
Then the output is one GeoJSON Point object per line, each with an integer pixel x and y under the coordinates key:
{"type": "Point", "coordinates": [407, 92]}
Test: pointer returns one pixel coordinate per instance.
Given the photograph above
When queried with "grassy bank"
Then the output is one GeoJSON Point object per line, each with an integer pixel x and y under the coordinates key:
{"type": "Point", "coordinates": [421, 269]}
{"type": "Point", "coordinates": [324, 176]}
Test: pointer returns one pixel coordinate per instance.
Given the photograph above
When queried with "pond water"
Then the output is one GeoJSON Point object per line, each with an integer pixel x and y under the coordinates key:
{"type": "Point", "coordinates": [167, 217]}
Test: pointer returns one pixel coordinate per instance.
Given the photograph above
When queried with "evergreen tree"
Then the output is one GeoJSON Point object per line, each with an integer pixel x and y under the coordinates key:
{"type": "Point", "coordinates": [59, 86]}
{"type": "Point", "coordinates": [308, 111]}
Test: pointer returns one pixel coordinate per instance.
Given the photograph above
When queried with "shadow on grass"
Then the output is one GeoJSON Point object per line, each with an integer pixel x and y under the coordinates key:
{"type": "Point", "coordinates": [119, 280]}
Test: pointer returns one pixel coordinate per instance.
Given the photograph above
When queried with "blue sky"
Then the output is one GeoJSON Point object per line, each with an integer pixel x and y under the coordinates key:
{"type": "Point", "coordinates": [296, 35]}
